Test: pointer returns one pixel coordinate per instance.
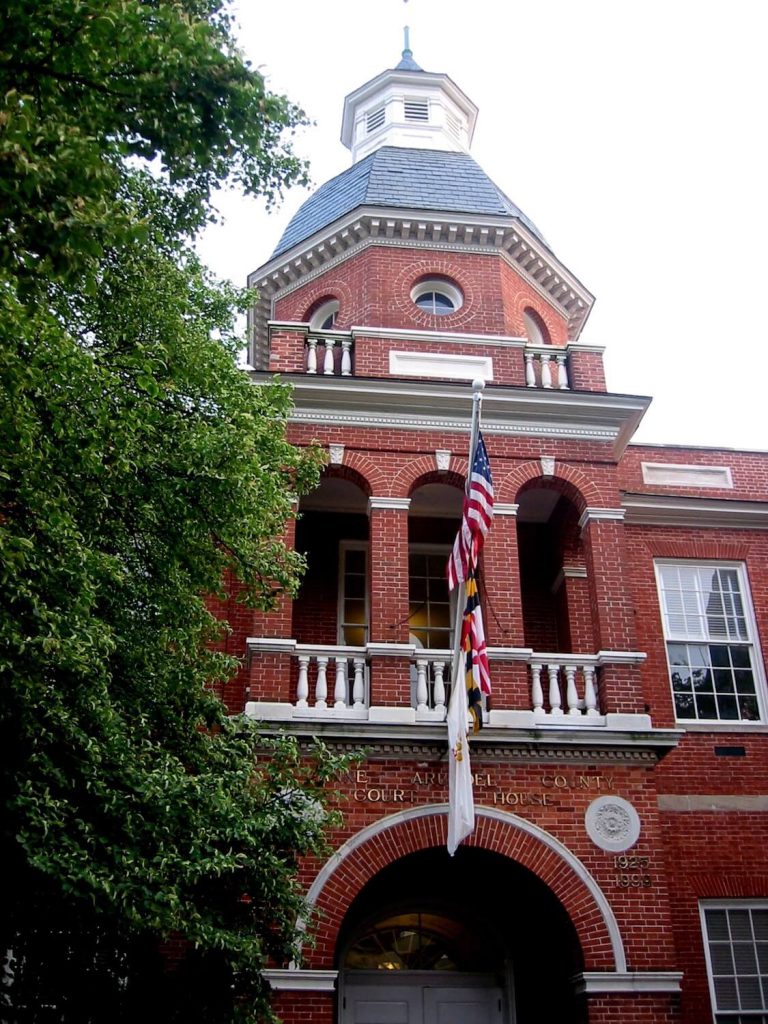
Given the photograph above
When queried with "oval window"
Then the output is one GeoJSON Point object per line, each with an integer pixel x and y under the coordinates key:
{"type": "Point", "coordinates": [437, 297]}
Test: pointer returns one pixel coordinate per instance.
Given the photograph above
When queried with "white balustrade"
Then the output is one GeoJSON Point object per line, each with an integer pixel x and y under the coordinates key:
{"type": "Point", "coordinates": [327, 362]}
{"type": "Point", "coordinates": [334, 681]}
{"type": "Point", "coordinates": [571, 690]}
{"type": "Point", "coordinates": [544, 359]}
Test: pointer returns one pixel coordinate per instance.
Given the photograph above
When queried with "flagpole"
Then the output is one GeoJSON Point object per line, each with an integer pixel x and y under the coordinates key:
{"type": "Point", "coordinates": [478, 387]}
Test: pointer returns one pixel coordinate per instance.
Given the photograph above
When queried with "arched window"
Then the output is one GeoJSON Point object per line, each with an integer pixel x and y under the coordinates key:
{"type": "Point", "coordinates": [410, 942]}
{"type": "Point", "coordinates": [535, 328]}
{"type": "Point", "coordinates": [437, 296]}
{"type": "Point", "coordinates": [324, 317]}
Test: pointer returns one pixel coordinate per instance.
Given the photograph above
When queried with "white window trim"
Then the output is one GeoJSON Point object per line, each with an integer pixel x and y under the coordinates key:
{"type": "Point", "coordinates": [732, 904]}
{"type": "Point", "coordinates": [322, 313]}
{"type": "Point", "coordinates": [344, 547]}
{"type": "Point", "coordinates": [753, 643]}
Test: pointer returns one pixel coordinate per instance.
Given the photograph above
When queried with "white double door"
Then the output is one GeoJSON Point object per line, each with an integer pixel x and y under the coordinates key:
{"type": "Point", "coordinates": [468, 1000]}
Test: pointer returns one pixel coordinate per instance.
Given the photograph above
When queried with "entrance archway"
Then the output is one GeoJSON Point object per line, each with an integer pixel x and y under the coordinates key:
{"type": "Point", "coordinates": [473, 939]}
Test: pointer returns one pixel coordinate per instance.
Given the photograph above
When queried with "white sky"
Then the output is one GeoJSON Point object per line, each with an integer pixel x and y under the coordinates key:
{"type": "Point", "coordinates": [632, 134]}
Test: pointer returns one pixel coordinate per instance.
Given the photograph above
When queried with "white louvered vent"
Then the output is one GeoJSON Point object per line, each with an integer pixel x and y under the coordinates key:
{"type": "Point", "coordinates": [416, 110]}
{"type": "Point", "coordinates": [453, 125]}
{"type": "Point", "coordinates": [374, 119]}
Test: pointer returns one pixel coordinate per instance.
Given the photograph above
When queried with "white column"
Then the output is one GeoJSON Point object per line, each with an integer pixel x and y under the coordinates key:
{"type": "Point", "coordinates": [530, 373]}
{"type": "Point", "coordinates": [311, 355]}
{"type": "Point", "coordinates": [421, 685]}
{"type": "Point", "coordinates": [590, 694]}
{"type": "Point", "coordinates": [571, 696]}
{"type": "Point", "coordinates": [537, 694]}
{"type": "Point", "coordinates": [346, 358]}
{"type": "Point", "coordinates": [555, 701]}
{"type": "Point", "coordinates": [340, 689]}
{"type": "Point", "coordinates": [439, 685]}
{"type": "Point", "coordinates": [328, 360]}
{"type": "Point", "coordinates": [302, 687]}
{"type": "Point", "coordinates": [546, 372]}
{"type": "Point", "coordinates": [321, 687]}
{"type": "Point", "coordinates": [358, 686]}
{"type": "Point", "coordinates": [562, 372]}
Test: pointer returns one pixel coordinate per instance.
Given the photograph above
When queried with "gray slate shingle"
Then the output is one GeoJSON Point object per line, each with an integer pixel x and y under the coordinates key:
{"type": "Point", "coordinates": [405, 178]}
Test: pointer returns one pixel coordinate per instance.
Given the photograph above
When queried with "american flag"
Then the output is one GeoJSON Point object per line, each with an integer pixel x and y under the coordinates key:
{"type": "Point", "coordinates": [475, 520]}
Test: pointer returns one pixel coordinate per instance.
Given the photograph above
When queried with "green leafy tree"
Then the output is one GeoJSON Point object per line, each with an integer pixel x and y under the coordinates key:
{"type": "Point", "coordinates": [139, 471]}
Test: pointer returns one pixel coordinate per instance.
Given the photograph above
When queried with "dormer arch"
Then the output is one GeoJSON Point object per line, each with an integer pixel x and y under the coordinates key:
{"type": "Point", "coordinates": [323, 314]}
{"type": "Point", "coordinates": [536, 331]}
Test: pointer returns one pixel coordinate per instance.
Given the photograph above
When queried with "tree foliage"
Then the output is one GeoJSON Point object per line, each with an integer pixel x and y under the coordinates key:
{"type": "Point", "coordinates": [140, 468]}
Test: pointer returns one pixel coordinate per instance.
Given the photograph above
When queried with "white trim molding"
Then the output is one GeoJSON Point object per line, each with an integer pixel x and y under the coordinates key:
{"type": "Point", "coordinates": [676, 474]}
{"type": "Point", "coordinates": [440, 365]}
{"type": "Point", "coordinates": [674, 510]}
{"type": "Point", "coordinates": [592, 514]}
{"type": "Point", "coordinates": [400, 504]}
{"type": "Point", "coordinates": [592, 982]}
{"type": "Point", "coordinates": [503, 508]}
{"type": "Point", "coordinates": [293, 979]}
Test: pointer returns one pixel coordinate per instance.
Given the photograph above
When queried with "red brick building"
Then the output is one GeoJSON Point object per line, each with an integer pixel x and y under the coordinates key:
{"type": "Point", "coordinates": [618, 871]}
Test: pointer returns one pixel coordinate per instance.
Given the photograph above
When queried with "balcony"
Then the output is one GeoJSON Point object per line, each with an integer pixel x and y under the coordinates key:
{"type": "Point", "coordinates": [324, 683]}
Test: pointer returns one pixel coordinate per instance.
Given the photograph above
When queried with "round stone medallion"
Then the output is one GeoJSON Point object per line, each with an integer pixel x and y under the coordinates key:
{"type": "Point", "coordinates": [612, 823]}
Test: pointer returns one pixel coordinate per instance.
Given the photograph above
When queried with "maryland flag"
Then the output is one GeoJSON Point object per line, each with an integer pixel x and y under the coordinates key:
{"type": "Point", "coordinates": [465, 706]}
{"type": "Point", "coordinates": [478, 676]}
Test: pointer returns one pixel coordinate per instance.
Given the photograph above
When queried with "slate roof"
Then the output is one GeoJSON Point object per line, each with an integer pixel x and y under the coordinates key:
{"type": "Point", "coordinates": [413, 179]}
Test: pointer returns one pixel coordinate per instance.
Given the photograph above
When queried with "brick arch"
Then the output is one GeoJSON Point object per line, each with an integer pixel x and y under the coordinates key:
{"type": "Point", "coordinates": [699, 547]}
{"type": "Point", "coordinates": [363, 856]}
{"type": "Point", "coordinates": [424, 471]}
{"type": "Point", "coordinates": [527, 299]}
{"type": "Point", "coordinates": [360, 470]}
{"type": "Point", "coordinates": [437, 265]}
{"type": "Point", "coordinates": [571, 481]}
{"type": "Point", "coordinates": [299, 304]}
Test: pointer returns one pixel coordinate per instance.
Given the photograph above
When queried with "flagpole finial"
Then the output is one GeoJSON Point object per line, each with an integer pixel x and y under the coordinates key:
{"type": "Point", "coordinates": [478, 384]}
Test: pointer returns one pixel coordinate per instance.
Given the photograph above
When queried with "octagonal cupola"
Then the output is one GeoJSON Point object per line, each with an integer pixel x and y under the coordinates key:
{"type": "Point", "coordinates": [410, 108]}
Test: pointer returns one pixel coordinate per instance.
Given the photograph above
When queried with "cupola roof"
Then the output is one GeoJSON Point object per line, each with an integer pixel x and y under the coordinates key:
{"type": "Point", "coordinates": [404, 179]}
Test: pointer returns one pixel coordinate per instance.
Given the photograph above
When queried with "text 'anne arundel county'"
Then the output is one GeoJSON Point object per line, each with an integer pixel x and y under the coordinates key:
{"type": "Point", "coordinates": [421, 786]}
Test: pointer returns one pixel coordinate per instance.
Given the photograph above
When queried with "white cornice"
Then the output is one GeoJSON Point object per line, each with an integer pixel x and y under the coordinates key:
{"type": "Point", "coordinates": [590, 515]}
{"type": "Point", "coordinates": [366, 226]}
{"type": "Point", "coordinates": [418, 405]}
{"type": "Point", "coordinates": [714, 513]}
{"type": "Point", "coordinates": [293, 980]}
{"type": "Point", "coordinates": [635, 981]}
{"type": "Point", "coordinates": [398, 504]}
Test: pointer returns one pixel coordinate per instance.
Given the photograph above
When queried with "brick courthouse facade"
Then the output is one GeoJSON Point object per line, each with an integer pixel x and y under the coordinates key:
{"type": "Point", "coordinates": [619, 868]}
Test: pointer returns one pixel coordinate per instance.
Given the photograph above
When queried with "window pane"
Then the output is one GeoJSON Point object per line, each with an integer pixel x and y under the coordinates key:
{"type": "Point", "coordinates": [356, 562]}
{"type": "Point", "coordinates": [355, 586]}
{"type": "Point", "coordinates": [706, 707]}
{"type": "Point", "coordinates": [717, 924]}
{"type": "Point", "coordinates": [354, 611]}
{"type": "Point", "coordinates": [744, 958]}
{"type": "Point", "coordinates": [749, 994]}
{"type": "Point", "coordinates": [684, 707]}
{"type": "Point", "coordinates": [740, 925]}
{"type": "Point", "coordinates": [727, 708]}
{"type": "Point", "coordinates": [354, 636]}
{"type": "Point", "coordinates": [725, 994]}
{"type": "Point", "coordinates": [721, 957]}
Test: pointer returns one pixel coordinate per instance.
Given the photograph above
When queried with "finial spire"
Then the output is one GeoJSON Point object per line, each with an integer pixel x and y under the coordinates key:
{"type": "Point", "coordinates": [407, 51]}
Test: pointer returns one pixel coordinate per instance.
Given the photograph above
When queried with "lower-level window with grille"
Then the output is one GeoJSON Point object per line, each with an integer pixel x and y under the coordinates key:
{"type": "Point", "coordinates": [711, 641]}
{"type": "Point", "coordinates": [736, 944]}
